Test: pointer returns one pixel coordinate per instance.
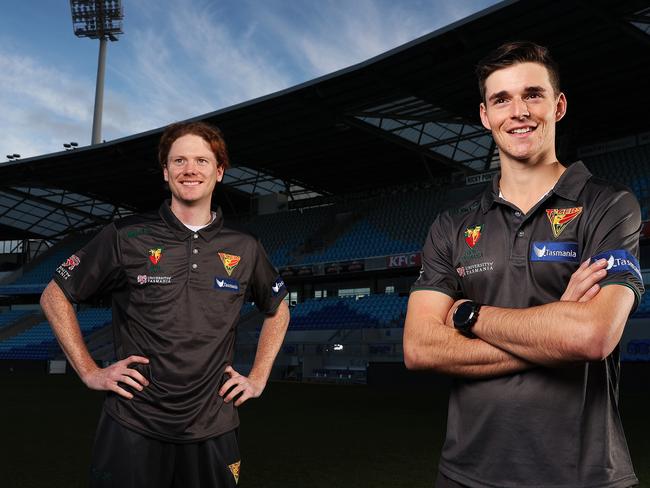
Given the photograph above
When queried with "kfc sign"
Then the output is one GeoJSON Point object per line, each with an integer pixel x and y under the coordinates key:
{"type": "Point", "coordinates": [412, 260]}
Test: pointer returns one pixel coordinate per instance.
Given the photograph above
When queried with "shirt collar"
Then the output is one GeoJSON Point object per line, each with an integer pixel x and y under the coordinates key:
{"type": "Point", "coordinates": [181, 232]}
{"type": "Point", "coordinates": [569, 186]}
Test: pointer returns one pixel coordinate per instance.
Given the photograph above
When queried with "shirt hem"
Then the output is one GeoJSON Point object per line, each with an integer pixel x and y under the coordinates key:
{"type": "Point", "coordinates": [626, 482]}
{"type": "Point", "coordinates": [637, 294]}
{"type": "Point", "coordinates": [434, 288]}
{"type": "Point", "coordinates": [161, 437]}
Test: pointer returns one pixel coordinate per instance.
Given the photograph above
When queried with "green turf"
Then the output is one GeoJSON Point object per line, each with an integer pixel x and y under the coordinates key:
{"type": "Point", "coordinates": [295, 436]}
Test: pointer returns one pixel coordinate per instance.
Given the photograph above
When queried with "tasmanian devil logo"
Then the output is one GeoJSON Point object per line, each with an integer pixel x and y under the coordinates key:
{"type": "Point", "coordinates": [230, 261]}
{"type": "Point", "coordinates": [472, 235]}
{"type": "Point", "coordinates": [561, 217]}
{"type": "Point", "coordinates": [155, 255]}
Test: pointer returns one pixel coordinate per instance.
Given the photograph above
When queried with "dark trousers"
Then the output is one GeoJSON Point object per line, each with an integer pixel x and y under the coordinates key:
{"type": "Point", "coordinates": [123, 458]}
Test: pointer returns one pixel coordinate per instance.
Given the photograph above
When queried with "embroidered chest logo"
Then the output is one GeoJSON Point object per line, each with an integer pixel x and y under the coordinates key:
{"type": "Point", "coordinates": [155, 255]}
{"type": "Point", "coordinates": [230, 261]}
{"type": "Point", "coordinates": [472, 235]}
{"type": "Point", "coordinates": [561, 217]}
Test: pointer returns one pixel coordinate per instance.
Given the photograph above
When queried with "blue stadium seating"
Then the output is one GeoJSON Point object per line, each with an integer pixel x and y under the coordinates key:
{"type": "Point", "coordinates": [630, 167]}
{"type": "Point", "coordinates": [38, 342]}
{"type": "Point", "coordinates": [374, 311]}
{"type": "Point", "coordinates": [12, 316]}
{"type": "Point", "coordinates": [391, 224]}
{"type": "Point", "coordinates": [37, 276]}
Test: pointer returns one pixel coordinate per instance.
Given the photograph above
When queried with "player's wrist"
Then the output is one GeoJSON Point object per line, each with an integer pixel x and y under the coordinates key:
{"type": "Point", "coordinates": [465, 317]}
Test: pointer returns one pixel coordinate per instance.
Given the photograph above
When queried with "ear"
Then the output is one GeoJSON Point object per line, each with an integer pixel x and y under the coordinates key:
{"type": "Point", "coordinates": [165, 173]}
{"type": "Point", "coordinates": [220, 171]}
{"type": "Point", "coordinates": [560, 109]}
{"type": "Point", "coordinates": [484, 117]}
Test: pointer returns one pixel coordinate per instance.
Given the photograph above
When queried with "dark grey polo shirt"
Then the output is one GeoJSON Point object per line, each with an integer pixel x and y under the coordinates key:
{"type": "Point", "coordinates": [176, 300]}
{"type": "Point", "coordinates": [545, 427]}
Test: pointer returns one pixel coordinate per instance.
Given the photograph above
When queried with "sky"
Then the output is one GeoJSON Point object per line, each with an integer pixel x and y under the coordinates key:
{"type": "Point", "coordinates": [179, 59]}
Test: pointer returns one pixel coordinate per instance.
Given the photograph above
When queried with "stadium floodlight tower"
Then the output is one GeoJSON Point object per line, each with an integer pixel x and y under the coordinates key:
{"type": "Point", "coordinates": [98, 19]}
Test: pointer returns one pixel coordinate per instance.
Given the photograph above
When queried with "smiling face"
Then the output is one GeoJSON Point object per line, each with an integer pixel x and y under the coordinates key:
{"type": "Point", "coordinates": [192, 171]}
{"type": "Point", "coordinates": [521, 109]}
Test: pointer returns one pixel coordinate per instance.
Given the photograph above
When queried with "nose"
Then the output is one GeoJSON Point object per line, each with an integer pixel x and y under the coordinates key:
{"type": "Point", "coordinates": [190, 166]}
{"type": "Point", "coordinates": [519, 109]}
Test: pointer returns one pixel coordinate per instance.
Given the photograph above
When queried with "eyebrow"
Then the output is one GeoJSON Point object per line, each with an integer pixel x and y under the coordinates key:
{"type": "Point", "coordinates": [527, 90]}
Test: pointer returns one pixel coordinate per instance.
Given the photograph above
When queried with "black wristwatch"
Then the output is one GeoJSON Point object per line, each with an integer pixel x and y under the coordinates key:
{"type": "Point", "coordinates": [465, 316]}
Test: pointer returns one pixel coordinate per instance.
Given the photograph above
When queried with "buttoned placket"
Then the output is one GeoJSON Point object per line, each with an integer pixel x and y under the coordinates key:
{"type": "Point", "coordinates": [194, 253]}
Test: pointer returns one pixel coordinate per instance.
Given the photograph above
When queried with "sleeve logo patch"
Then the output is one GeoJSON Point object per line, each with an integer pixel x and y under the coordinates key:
{"type": "Point", "coordinates": [68, 265]}
{"type": "Point", "coordinates": [277, 286]}
{"type": "Point", "coordinates": [226, 284]}
{"type": "Point", "coordinates": [230, 261]}
{"type": "Point", "coordinates": [72, 262]}
{"type": "Point", "coordinates": [555, 251]}
{"type": "Point", "coordinates": [620, 261]}
{"type": "Point", "coordinates": [472, 235]}
{"type": "Point", "coordinates": [561, 217]}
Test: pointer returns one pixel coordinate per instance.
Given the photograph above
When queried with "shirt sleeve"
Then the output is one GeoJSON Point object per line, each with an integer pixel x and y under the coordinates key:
{"type": "Point", "coordinates": [615, 231]}
{"type": "Point", "coordinates": [94, 269]}
{"type": "Point", "coordinates": [267, 288]}
{"type": "Point", "coordinates": [438, 272]}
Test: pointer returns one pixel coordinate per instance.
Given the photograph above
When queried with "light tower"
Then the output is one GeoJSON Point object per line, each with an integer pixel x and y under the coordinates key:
{"type": "Point", "coordinates": [98, 19]}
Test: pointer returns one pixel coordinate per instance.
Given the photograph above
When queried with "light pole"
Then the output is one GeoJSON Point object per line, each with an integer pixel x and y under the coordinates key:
{"type": "Point", "coordinates": [98, 19]}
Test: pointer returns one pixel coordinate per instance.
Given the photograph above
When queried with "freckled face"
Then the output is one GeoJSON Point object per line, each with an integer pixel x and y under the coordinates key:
{"type": "Point", "coordinates": [521, 110]}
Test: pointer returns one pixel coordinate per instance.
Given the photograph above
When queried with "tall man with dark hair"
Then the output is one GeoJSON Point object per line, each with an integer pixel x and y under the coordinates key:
{"type": "Point", "coordinates": [504, 305]}
{"type": "Point", "coordinates": [178, 280]}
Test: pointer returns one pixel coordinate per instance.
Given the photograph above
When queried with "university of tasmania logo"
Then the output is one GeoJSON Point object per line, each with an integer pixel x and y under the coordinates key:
{"type": "Point", "coordinates": [234, 469]}
{"type": "Point", "coordinates": [472, 235]}
{"type": "Point", "coordinates": [561, 217]}
{"type": "Point", "coordinates": [230, 261]}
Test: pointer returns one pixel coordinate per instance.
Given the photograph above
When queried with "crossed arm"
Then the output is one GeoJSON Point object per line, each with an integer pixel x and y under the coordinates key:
{"type": "Point", "coordinates": [585, 325]}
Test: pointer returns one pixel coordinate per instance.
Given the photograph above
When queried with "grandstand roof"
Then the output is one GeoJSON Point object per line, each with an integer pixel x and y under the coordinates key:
{"type": "Point", "coordinates": [405, 116]}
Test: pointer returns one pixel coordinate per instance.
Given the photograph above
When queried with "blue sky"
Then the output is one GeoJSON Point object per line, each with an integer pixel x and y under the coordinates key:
{"type": "Point", "coordinates": [182, 58]}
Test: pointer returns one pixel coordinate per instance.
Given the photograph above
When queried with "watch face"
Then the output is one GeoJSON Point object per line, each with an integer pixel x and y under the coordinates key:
{"type": "Point", "coordinates": [463, 313]}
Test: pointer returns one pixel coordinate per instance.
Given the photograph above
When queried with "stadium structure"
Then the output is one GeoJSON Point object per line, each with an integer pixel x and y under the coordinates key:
{"type": "Point", "coordinates": [341, 178]}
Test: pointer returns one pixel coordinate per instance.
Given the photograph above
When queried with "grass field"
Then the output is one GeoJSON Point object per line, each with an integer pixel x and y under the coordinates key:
{"type": "Point", "coordinates": [294, 436]}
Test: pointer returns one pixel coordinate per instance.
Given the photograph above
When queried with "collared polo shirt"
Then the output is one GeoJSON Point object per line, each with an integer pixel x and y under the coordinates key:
{"type": "Point", "coordinates": [176, 297]}
{"type": "Point", "coordinates": [544, 427]}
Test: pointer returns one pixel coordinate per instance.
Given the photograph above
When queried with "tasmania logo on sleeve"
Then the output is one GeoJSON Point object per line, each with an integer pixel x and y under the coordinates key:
{"type": "Point", "coordinates": [620, 261]}
{"type": "Point", "coordinates": [277, 286]}
{"type": "Point", "coordinates": [230, 261]}
{"type": "Point", "coordinates": [561, 217]}
{"type": "Point", "coordinates": [472, 235]}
